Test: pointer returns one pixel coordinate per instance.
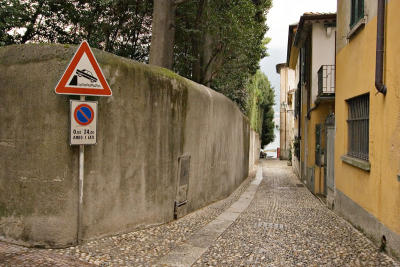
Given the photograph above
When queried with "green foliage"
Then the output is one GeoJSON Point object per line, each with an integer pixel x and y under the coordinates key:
{"type": "Point", "coordinates": [122, 27]}
{"type": "Point", "coordinates": [267, 135]}
{"type": "Point", "coordinates": [218, 43]}
{"type": "Point", "coordinates": [260, 106]}
{"type": "Point", "coordinates": [260, 95]}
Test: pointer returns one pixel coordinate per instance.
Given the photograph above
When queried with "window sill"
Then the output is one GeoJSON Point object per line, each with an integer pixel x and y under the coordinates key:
{"type": "Point", "coordinates": [359, 163]}
{"type": "Point", "coordinates": [361, 23]}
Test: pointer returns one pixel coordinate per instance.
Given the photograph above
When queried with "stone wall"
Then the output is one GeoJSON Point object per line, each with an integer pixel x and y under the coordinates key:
{"type": "Point", "coordinates": [254, 151]}
{"type": "Point", "coordinates": [131, 175]}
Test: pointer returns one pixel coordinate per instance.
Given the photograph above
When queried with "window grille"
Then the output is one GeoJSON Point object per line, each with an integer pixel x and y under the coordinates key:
{"type": "Point", "coordinates": [357, 11]}
{"type": "Point", "coordinates": [358, 127]}
{"type": "Point", "coordinates": [326, 80]}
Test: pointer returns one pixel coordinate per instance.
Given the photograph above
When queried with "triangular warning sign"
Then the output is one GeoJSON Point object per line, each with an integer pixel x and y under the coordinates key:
{"type": "Point", "coordinates": [83, 75]}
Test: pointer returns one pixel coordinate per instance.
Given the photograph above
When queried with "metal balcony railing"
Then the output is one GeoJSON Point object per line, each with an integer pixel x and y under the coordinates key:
{"type": "Point", "coordinates": [326, 80]}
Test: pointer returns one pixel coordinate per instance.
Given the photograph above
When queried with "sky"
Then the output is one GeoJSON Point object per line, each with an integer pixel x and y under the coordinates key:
{"type": "Point", "coordinates": [280, 16]}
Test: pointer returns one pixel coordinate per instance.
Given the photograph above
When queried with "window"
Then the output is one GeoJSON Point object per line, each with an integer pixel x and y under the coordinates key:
{"type": "Point", "coordinates": [357, 11]}
{"type": "Point", "coordinates": [305, 61]}
{"type": "Point", "coordinates": [358, 127]}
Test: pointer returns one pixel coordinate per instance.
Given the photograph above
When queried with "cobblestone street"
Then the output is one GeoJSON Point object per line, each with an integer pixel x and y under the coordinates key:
{"type": "Point", "coordinates": [270, 221]}
{"type": "Point", "coordinates": [285, 225]}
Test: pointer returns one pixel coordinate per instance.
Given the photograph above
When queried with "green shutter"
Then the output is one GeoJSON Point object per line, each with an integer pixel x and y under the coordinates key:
{"type": "Point", "coordinates": [357, 12]}
{"type": "Point", "coordinates": [352, 12]}
{"type": "Point", "coordinates": [361, 9]}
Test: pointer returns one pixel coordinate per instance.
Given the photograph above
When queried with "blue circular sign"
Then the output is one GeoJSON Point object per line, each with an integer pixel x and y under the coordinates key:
{"type": "Point", "coordinates": [84, 114]}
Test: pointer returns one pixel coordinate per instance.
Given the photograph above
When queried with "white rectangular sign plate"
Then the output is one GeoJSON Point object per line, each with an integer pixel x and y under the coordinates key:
{"type": "Point", "coordinates": [83, 130]}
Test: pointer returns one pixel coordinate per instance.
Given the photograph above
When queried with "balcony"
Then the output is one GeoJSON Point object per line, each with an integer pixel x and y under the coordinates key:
{"type": "Point", "coordinates": [326, 83]}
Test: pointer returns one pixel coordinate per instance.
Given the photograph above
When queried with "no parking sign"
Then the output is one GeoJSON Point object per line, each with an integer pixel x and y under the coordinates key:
{"type": "Point", "coordinates": [83, 122]}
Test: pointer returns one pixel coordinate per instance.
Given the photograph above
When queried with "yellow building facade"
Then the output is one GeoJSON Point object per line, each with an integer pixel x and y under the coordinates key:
{"type": "Point", "coordinates": [311, 53]}
{"type": "Point", "coordinates": [368, 183]}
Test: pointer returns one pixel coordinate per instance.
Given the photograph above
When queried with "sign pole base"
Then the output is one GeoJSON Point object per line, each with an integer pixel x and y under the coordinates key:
{"type": "Point", "coordinates": [81, 175]}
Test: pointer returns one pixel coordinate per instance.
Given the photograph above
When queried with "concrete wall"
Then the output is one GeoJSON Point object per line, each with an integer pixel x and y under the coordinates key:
{"type": "Point", "coordinates": [131, 181]}
{"type": "Point", "coordinates": [372, 197]}
{"type": "Point", "coordinates": [254, 151]}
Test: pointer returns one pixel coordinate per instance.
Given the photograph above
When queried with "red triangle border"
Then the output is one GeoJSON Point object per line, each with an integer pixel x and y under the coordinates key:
{"type": "Point", "coordinates": [61, 86]}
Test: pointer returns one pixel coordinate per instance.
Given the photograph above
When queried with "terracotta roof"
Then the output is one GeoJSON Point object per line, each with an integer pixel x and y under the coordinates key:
{"type": "Point", "coordinates": [317, 14]}
{"type": "Point", "coordinates": [279, 66]}
{"type": "Point", "coordinates": [310, 16]}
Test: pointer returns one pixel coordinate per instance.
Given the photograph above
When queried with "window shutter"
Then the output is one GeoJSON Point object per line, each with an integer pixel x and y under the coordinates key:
{"type": "Point", "coordinates": [352, 13]}
{"type": "Point", "coordinates": [318, 149]}
{"type": "Point", "coordinates": [360, 9]}
{"type": "Point", "coordinates": [357, 11]}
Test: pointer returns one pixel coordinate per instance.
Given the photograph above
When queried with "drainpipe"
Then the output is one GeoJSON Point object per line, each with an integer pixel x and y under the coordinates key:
{"type": "Point", "coordinates": [311, 110]}
{"type": "Point", "coordinates": [380, 42]}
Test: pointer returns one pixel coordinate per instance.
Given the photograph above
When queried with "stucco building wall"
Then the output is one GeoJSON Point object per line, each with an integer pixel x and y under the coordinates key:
{"type": "Point", "coordinates": [287, 82]}
{"type": "Point", "coordinates": [322, 38]}
{"type": "Point", "coordinates": [323, 53]}
{"type": "Point", "coordinates": [370, 199]}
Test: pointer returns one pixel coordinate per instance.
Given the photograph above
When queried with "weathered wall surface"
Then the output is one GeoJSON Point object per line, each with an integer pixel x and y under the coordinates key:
{"type": "Point", "coordinates": [287, 82]}
{"type": "Point", "coordinates": [343, 24]}
{"type": "Point", "coordinates": [131, 175]}
{"type": "Point", "coordinates": [370, 199]}
{"type": "Point", "coordinates": [254, 150]}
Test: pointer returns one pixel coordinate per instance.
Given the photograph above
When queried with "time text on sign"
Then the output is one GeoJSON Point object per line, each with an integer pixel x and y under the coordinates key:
{"type": "Point", "coordinates": [83, 122]}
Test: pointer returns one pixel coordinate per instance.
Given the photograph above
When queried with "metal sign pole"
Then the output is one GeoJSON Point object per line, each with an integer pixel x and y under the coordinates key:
{"type": "Point", "coordinates": [81, 174]}
{"type": "Point", "coordinates": [83, 76]}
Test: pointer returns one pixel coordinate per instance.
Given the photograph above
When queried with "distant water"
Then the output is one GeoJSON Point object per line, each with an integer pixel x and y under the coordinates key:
{"type": "Point", "coordinates": [274, 145]}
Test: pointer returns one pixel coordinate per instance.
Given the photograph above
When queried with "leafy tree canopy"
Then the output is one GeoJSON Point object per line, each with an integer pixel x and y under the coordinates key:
{"type": "Point", "coordinates": [260, 107]}
{"type": "Point", "coordinates": [122, 27]}
{"type": "Point", "coordinates": [218, 43]}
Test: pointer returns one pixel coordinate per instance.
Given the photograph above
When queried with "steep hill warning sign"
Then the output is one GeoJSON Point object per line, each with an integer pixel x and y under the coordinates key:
{"type": "Point", "coordinates": [83, 75]}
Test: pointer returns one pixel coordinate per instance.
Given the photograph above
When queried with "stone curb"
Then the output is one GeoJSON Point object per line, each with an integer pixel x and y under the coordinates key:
{"type": "Point", "coordinates": [187, 253]}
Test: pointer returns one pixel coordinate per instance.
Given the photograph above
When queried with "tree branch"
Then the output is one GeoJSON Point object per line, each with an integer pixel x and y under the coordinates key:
{"type": "Point", "coordinates": [177, 2]}
{"type": "Point", "coordinates": [30, 28]}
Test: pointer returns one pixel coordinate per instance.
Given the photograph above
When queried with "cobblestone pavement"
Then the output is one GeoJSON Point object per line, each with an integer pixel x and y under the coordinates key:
{"type": "Point", "coordinates": [285, 225]}
{"type": "Point", "coordinates": [12, 255]}
{"type": "Point", "coordinates": [139, 248]}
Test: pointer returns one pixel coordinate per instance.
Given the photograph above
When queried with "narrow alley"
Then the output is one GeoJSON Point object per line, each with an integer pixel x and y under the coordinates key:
{"type": "Point", "coordinates": [271, 220]}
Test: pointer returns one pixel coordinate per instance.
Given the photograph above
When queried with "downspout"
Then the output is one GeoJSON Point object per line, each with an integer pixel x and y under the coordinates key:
{"type": "Point", "coordinates": [311, 110]}
{"type": "Point", "coordinates": [380, 42]}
